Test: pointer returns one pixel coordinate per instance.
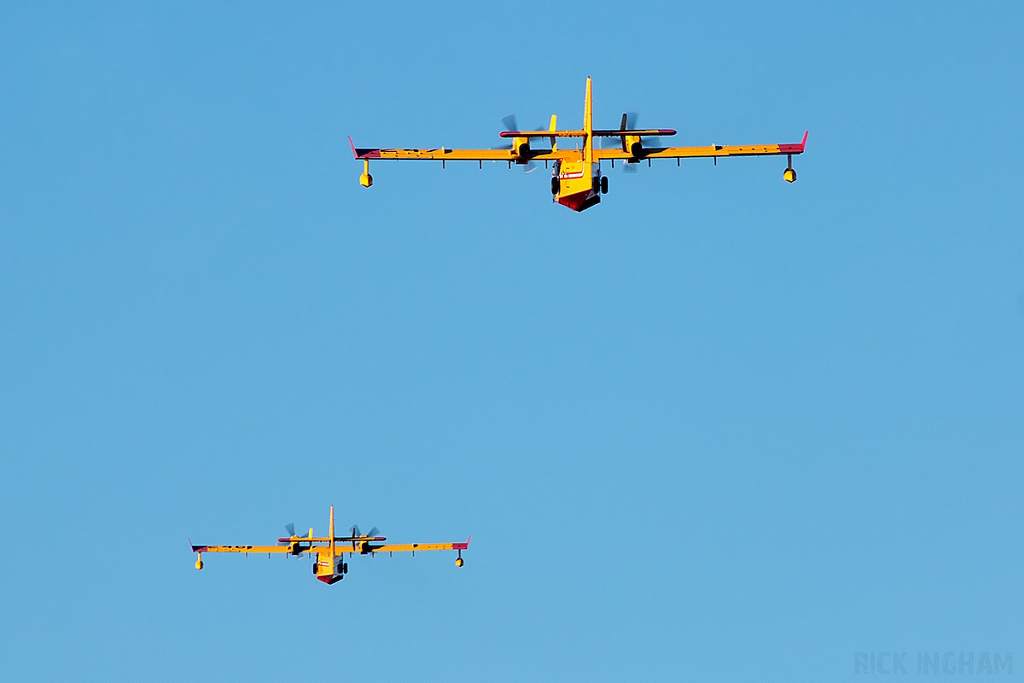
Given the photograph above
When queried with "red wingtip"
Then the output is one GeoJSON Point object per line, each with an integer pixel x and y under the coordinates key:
{"type": "Point", "coordinates": [468, 539]}
{"type": "Point", "coordinates": [356, 156]}
{"type": "Point", "coordinates": [794, 148]}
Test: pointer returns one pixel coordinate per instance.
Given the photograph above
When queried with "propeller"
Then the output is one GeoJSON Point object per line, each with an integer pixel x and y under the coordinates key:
{"type": "Point", "coordinates": [290, 528]}
{"type": "Point", "coordinates": [355, 533]}
{"type": "Point", "coordinates": [616, 143]}
{"type": "Point", "coordinates": [509, 122]}
{"type": "Point", "coordinates": [292, 539]}
{"type": "Point", "coordinates": [631, 121]}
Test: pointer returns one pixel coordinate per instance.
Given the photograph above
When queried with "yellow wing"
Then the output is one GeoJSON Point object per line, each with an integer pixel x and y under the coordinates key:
{"type": "Point", "coordinates": [319, 546]}
{"type": "Point", "coordinates": [399, 547]}
{"type": "Point", "coordinates": [704, 151]}
{"type": "Point", "coordinates": [241, 549]}
{"type": "Point", "coordinates": [445, 154]}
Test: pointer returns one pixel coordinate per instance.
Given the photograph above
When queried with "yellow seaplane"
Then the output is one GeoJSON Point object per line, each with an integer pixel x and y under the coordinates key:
{"type": "Point", "coordinates": [576, 178]}
{"type": "Point", "coordinates": [330, 565]}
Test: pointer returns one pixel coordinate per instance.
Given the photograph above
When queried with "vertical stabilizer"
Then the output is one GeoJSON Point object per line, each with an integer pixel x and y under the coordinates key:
{"type": "Point", "coordinates": [332, 535]}
{"type": "Point", "coordinates": [588, 124]}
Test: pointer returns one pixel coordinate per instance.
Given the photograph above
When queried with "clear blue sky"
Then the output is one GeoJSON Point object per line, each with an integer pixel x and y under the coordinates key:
{"type": "Point", "coordinates": [717, 428]}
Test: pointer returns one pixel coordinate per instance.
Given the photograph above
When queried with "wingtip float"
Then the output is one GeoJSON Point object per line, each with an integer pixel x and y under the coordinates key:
{"type": "Point", "coordinates": [329, 565]}
{"type": "Point", "coordinates": [577, 181]}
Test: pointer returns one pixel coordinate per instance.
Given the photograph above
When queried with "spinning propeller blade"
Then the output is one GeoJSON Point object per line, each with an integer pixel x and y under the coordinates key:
{"type": "Point", "coordinates": [509, 122]}
{"type": "Point", "coordinates": [631, 121]}
{"type": "Point", "coordinates": [356, 534]}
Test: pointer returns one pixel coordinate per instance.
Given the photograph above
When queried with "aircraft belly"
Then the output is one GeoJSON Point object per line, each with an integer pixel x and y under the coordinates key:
{"type": "Point", "coordinates": [579, 200]}
{"type": "Point", "coordinates": [330, 579]}
{"type": "Point", "coordinates": [576, 189]}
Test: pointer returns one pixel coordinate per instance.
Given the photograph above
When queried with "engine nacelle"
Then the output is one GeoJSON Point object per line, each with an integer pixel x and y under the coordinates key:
{"type": "Point", "coordinates": [634, 145]}
{"type": "Point", "coordinates": [521, 149]}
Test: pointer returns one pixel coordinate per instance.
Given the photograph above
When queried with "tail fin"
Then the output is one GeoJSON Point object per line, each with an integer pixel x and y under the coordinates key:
{"type": "Point", "coordinates": [588, 108]}
{"type": "Point", "coordinates": [588, 122]}
{"type": "Point", "coordinates": [332, 533]}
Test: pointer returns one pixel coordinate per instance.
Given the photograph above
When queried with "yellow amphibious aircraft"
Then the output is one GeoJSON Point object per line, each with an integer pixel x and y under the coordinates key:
{"type": "Point", "coordinates": [576, 179]}
{"type": "Point", "coordinates": [330, 566]}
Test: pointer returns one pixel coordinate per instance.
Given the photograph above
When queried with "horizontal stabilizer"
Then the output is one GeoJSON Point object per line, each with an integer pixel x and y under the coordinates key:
{"type": "Point", "coordinates": [337, 539]}
{"type": "Point", "coordinates": [581, 133]}
{"type": "Point", "coordinates": [645, 131]}
{"type": "Point", "coordinates": [542, 133]}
